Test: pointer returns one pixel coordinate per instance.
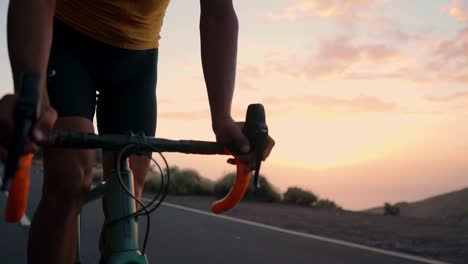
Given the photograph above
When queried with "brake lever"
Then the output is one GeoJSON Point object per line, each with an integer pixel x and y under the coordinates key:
{"type": "Point", "coordinates": [24, 117]}
{"type": "Point", "coordinates": [261, 139]}
{"type": "Point", "coordinates": [256, 130]}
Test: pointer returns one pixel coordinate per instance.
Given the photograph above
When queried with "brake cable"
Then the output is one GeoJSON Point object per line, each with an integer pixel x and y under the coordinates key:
{"type": "Point", "coordinates": [144, 208]}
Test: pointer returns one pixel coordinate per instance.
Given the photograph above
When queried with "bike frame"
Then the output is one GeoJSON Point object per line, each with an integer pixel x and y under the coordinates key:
{"type": "Point", "coordinates": [121, 237]}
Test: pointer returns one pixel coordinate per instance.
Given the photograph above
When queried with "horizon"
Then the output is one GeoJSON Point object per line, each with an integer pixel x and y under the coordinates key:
{"type": "Point", "coordinates": [365, 102]}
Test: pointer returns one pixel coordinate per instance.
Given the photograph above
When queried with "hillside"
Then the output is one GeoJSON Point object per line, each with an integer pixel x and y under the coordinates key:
{"type": "Point", "coordinates": [449, 205]}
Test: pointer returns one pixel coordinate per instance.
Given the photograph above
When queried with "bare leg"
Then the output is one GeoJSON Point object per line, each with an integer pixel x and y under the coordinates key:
{"type": "Point", "coordinates": [67, 178]}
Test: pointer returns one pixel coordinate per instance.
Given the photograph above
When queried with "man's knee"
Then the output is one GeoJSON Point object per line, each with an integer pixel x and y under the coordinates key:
{"type": "Point", "coordinates": [68, 177]}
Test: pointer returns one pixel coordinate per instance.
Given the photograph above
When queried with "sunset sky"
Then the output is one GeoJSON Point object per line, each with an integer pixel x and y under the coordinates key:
{"type": "Point", "coordinates": [366, 99]}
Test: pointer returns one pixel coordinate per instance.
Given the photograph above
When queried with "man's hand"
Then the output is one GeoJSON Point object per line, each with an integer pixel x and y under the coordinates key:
{"type": "Point", "coordinates": [47, 118]}
{"type": "Point", "coordinates": [229, 133]}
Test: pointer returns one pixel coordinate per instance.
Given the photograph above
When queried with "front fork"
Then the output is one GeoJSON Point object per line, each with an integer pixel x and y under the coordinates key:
{"type": "Point", "coordinates": [122, 236]}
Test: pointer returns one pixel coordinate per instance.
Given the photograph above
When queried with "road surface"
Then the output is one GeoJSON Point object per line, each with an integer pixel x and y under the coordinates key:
{"type": "Point", "coordinates": [180, 235]}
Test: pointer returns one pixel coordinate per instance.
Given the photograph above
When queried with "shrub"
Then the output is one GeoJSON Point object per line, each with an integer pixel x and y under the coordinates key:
{"type": "Point", "coordinates": [189, 182]}
{"type": "Point", "coordinates": [266, 193]}
{"type": "Point", "coordinates": [327, 204]}
{"type": "Point", "coordinates": [152, 183]}
{"type": "Point", "coordinates": [296, 195]}
{"type": "Point", "coordinates": [182, 182]}
{"type": "Point", "coordinates": [390, 209]}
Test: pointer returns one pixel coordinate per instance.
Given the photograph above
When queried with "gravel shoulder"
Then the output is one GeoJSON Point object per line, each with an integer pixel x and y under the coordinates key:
{"type": "Point", "coordinates": [445, 240]}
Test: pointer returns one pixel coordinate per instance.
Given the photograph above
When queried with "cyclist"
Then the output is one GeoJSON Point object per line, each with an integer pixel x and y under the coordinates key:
{"type": "Point", "coordinates": [110, 47]}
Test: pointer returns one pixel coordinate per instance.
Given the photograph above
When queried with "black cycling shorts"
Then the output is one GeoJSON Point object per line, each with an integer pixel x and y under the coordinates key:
{"type": "Point", "coordinates": [85, 75]}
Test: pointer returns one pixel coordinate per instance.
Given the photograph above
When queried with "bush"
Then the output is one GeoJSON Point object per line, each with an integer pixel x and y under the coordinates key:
{"type": "Point", "coordinates": [266, 193]}
{"type": "Point", "coordinates": [182, 182]}
{"type": "Point", "coordinates": [391, 209]}
{"type": "Point", "coordinates": [327, 204]}
{"type": "Point", "coordinates": [189, 182]}
{"type": "Point", "coordinates": [296, 195]}
{"type": "Point", "coordinates": [152, 183]}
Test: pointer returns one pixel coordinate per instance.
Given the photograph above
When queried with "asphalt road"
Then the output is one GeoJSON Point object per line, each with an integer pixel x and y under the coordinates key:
{"type": "Point", "coordinates": [184, 236]}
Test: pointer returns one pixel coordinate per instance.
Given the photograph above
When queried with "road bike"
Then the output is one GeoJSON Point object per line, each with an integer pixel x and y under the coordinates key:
{"type": "Point", "coordinates": [118, 192]}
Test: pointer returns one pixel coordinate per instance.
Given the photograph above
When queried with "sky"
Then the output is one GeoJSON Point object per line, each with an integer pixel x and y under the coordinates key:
{"type": "Point", "coordinates": [366, 99]}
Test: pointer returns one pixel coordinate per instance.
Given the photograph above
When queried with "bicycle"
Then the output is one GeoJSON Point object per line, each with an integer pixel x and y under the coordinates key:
{"type": "Point", "coordinates": [121, 233]}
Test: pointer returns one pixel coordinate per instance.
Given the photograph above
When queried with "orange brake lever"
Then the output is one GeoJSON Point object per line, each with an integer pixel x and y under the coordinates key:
{"type": "Point", "coordinates": [236, 193]}
{"type": "Point", "coordinates": [19, 191]}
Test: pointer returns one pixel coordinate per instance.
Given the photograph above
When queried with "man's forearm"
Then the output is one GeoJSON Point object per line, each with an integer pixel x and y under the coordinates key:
{"type": "Point", "coordinates": [29, 37]}
{"type": "Point", "coordinates": [219, 55]}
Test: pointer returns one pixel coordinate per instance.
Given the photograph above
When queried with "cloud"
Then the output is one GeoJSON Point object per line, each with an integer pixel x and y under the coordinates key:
{"type": "Point", "coordinates": [249, 71]}
{"type": "Point", "coordinates": [339, 57]}
{"type": "Point", "coordinates": [453, 48]}
{"type": "Point", "coordinates": [448, 98]}
{"type": "Point", "coordinates": [458, 10]}
{"type": "Point", "coordinates": [247, 75]}
{"type": "Point", "coordinates": [185, 116]}
{"type": "Point", "coordinates": [449, 58]}
{"type": "Point", "coordinates": [359, 104]}
{"type": "Point", "coordinates": [342, 49]}
{"type": "Point", "coordinates": [305, 9]}
{"type": "Point", "coordinates": [344, 57]}
{"type": "Point", "coordinates": [384, 28]}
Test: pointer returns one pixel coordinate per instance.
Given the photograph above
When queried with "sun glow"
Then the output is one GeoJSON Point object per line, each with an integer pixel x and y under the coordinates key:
{"type": "Point", "coordinates": [338, 141]}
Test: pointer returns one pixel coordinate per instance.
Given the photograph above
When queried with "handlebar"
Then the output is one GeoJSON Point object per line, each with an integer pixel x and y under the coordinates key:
{"type": "Point", "coordinates": [255, 129]}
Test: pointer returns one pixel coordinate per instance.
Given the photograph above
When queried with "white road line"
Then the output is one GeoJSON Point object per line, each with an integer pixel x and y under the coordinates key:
{"type": "Point", "coordinates": [306, 235]}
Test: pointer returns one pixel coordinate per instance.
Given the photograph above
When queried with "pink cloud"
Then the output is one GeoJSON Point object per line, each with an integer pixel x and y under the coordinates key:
{"type": "Point", "coordinates": [304, 9]}
{"type": "Point", "coordinates": [439, 61]}
{"type": "Point", "coordinates": [249, 71]}
{"type": "Point", "coordinates": [391, 30]}
{"type": "Point", "coordinates": [451, 49]}
{"type": "Point", "coordinates": [247, 74]}
{"type": "Point", "coordinates": [330, 104]}
{"type": "Point", "coordinates": [449, 58]}
{"type": "Point", "coordinates": [342, 49]}
{"type": "Point", "coordinates": [335, 57]}
{"type": "Point", "coordinates": [458, 10]}
{"type": "Point", "coordinates": [185, 116]}
{"type": "Point", "coordinates": [448, 98]}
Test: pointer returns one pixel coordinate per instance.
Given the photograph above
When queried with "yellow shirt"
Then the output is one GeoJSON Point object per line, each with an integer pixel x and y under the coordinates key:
{"type": "Point", "coordinates": [128, 24]}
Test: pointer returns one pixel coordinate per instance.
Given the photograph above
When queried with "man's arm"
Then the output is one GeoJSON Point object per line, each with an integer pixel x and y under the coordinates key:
{"type": "Point", "coordinates": [218, 32]}
{"type": "Point", "coordinates": [29, 38]}
{"type": "Point", "coordinates": [29, 41]}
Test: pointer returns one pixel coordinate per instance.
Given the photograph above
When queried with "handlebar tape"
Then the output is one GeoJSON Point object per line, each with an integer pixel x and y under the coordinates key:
{"type": "Point", "coordinates": [19, 191]}
{"type": "Point", "coordinates": [236, 193]}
